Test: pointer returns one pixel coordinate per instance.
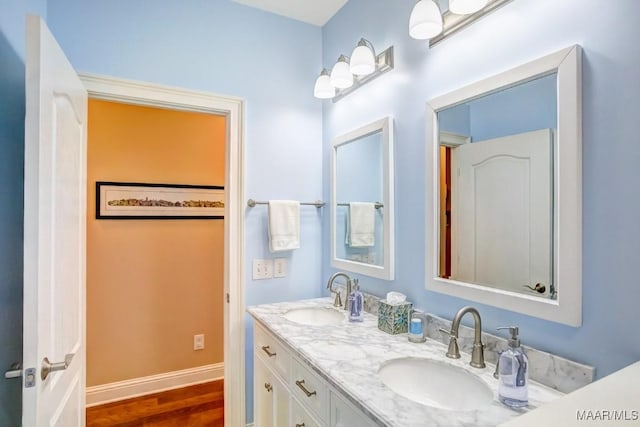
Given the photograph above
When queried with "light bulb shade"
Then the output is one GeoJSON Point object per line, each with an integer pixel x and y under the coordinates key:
{"type": "Point", "coordinates": [465, 7]}
{"type": "Point", "coordinates": [341, 76]}
{"type": "Point", "coordinates": [425, 21]}
{"type": "Point", "coordinates": [363, 60]}
{"type": "Point", "coordinates": [323, 88]}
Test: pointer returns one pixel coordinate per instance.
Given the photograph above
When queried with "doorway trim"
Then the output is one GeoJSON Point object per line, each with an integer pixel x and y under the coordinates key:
{"type": "Point", "coordinates": [173, 98]}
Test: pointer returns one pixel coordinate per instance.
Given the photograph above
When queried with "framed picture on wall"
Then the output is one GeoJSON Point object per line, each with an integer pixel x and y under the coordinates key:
{"type": "Point", "coordinates": [131, 200]}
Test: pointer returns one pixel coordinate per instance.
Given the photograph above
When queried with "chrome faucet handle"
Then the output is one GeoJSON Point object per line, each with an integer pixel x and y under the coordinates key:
{"type": "Point", "coordinates": [338, 301]}
{"type": "Point", "coordinates": [496, 372]}
{"type": "Point", "coordinates": [453, 352]}
{"type": "Point", "coordinates": [477, 356]}
{"type": "Point", "coordinates": [448, 332]}
{"type": "Point", "coordinates": [349, 285]}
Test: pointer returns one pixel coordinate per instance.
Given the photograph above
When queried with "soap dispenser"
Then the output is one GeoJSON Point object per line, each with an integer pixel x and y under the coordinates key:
{"type": "Point", "coordinates": [356, 303]}
{"type": "Point", "coordinates": [513, 372]}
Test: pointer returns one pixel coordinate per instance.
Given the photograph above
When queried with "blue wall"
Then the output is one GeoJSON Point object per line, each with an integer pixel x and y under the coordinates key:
{"type": "Point", "coordinates": [12, 51]}
{"type": "Point", "coordinates": [226, 48]}
{"type": "Point", "coordinates": [517, 33]}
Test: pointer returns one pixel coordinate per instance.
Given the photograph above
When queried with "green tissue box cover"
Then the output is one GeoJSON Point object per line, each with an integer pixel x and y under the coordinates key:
{"type": "Point", "coordinates": [394, 319]}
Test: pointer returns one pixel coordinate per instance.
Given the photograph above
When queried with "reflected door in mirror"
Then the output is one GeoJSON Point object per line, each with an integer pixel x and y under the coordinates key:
{"type": "Point", "coordinates": [501, 212]}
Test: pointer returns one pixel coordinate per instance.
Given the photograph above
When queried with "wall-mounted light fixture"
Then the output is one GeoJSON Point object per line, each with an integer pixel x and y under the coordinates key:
{"type": "Point", "coordinates": [348, 74]}
{"type": "Point", "coordinates": [427, 22]}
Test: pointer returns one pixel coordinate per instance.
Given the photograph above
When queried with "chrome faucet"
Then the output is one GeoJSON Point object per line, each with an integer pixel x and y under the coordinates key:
{"type": "Point", "coordinates": [477, 354]}
{"type": "Point", "coordinates": [338, 302]}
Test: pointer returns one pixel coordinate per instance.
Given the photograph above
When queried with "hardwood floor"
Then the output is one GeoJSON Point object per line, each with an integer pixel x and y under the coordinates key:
{"type": "Point", "coordinates": [193, 406]}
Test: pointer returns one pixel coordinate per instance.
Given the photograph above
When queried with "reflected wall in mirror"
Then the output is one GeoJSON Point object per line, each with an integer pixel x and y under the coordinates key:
{"type": "Point", "coordinates": [506, 153]}
{"type": "Point", "coordinates": [359, 173]}
{"type": "Point", "coordinates": [362, 200]}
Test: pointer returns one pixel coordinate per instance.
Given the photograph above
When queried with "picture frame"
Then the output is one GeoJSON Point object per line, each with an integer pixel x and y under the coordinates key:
{"type": "Point", "coordinates": [134, 200]}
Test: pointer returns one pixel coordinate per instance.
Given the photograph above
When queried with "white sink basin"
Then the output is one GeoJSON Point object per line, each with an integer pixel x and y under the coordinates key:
{"type": "Point", "coordinates": [315, 316]}
{"type": "Point", "coordinates": [436, 384]}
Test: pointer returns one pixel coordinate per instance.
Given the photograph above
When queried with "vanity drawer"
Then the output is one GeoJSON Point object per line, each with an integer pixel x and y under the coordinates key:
{"type": "Point", "coordinates": [272, 352]}
{"type": "Point", "coordinates": [310, 390]}
{"type": "Point", "coordinates": [300, 417]}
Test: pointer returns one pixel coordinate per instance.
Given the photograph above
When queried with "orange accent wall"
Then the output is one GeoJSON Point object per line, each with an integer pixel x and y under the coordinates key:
{"type": "Point", "coordinates": [152, 284]}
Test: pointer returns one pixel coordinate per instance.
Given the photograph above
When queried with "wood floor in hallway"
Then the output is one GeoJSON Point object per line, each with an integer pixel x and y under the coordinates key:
{"type": "Point", "coordinates": [194, 406]}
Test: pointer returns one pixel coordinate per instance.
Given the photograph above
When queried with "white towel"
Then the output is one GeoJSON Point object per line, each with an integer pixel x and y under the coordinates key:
{"type": "Point", "coordinates": [361, 226]}
{"type": "Point", "coordinates": [284, 225]}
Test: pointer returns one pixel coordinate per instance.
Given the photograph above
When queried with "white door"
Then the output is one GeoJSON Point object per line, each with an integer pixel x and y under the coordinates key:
{"type": "Point", "coordinates": [54, 234]}
{"type": "Point", "coordinates": [501, 231]}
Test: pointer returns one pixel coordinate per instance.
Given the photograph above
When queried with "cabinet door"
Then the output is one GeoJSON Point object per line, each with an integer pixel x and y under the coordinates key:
{"type": "Point", "coordinates": [280, 402]}
{"type": "Point", "coordinates": [262, 395]}
{"type": "Point", "coordinates": [271, 397]}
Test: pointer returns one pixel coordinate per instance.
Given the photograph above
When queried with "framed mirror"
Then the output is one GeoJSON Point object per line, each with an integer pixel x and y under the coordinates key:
{"type": "Point", "coordinates": [362, 235]}
{"type": "Point", "coordinates": [506, 204]}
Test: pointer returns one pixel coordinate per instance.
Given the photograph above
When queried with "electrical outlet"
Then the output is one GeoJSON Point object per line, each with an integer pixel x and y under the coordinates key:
{"type": "Point", "coordinates": [280, 267]}
{"type": "Point", "coordinates": [262, 269]}
{"type": "Point", "coordinates": [198, 342]}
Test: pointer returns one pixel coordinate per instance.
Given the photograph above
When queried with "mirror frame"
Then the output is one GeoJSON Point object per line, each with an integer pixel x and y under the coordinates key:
{"type": "Point", "coordinates": [567, 194]}
{"type": "Point", "coordinates": [386, 270]}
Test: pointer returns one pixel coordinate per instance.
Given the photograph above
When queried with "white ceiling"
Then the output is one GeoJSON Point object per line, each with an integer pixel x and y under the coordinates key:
{"type": "Point", "coordinates": [316, 12]}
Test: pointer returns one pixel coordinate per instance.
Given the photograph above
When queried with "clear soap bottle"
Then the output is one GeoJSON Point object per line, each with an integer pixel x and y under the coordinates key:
{"type": "Point", "coordinates": [356, 303]}
{"type": "Point", "coordinates": [513, 373]}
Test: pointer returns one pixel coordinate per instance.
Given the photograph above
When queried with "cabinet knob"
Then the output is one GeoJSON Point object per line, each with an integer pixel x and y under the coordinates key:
{"type": "Point", "coordinates": [268, 386]}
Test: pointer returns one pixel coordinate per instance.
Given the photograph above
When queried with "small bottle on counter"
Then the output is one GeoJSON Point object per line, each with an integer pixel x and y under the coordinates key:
{"type": "Point", "coordinates": [513, 373]}
{"type": "Point", "coordinates": [356, 303]}
{"type": "Point", "coordinates": [417, 326]}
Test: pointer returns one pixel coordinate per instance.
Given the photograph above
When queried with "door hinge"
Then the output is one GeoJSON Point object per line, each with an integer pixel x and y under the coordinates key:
{"type": "Point", "coordinates": [227, 298]}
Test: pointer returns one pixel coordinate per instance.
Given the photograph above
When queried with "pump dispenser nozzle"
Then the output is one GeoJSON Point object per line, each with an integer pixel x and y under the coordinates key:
{"type": "Point", "coordinates": [514, 341]}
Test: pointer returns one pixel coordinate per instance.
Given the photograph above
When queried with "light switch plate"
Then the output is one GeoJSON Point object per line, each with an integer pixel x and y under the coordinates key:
{"type": "Point", "coordinates": [280, 267]}
{"type": "Point", "coordinates": [262, 269]}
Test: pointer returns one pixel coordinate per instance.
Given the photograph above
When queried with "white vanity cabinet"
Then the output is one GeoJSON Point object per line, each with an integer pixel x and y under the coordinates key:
{"type": "Point", "coordinates": [288, 393]}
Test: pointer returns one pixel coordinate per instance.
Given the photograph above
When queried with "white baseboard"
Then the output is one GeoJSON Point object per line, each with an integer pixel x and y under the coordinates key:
{"type": "Point", "coordinates": [105, 393]}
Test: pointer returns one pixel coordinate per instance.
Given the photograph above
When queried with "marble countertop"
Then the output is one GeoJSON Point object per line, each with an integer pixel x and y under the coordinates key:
{"type": "Point", "coordinates": [612, 400]}
{"type": "Point", "coordinates": [348, 356]}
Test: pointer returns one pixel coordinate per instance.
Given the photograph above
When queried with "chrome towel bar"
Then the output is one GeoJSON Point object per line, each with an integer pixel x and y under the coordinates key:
{"type": "Point", "coordinates": [318, 203]}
